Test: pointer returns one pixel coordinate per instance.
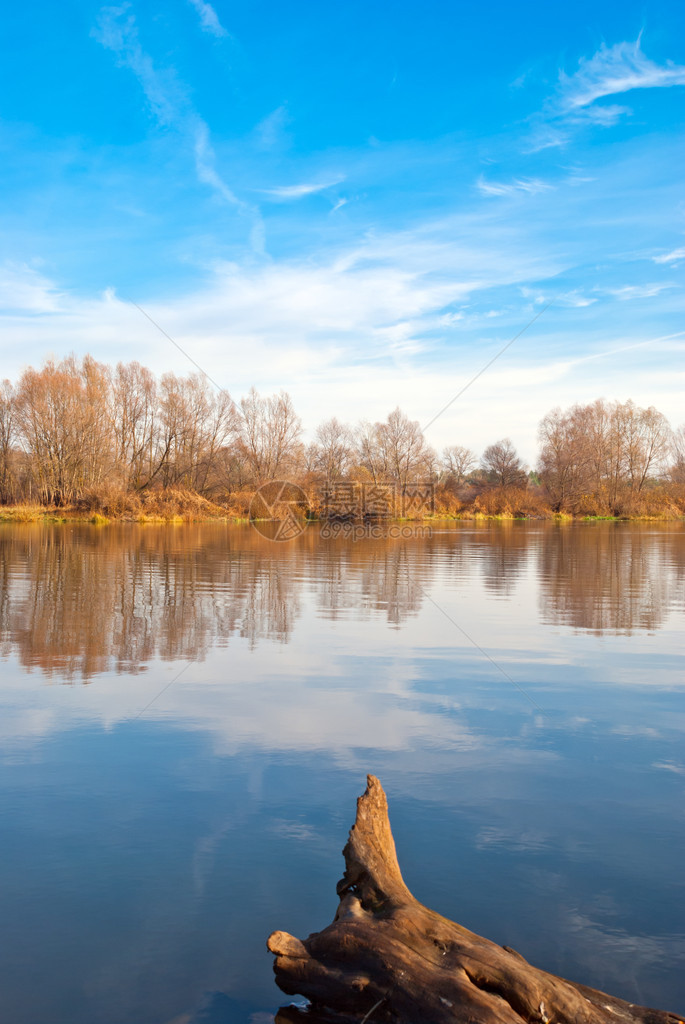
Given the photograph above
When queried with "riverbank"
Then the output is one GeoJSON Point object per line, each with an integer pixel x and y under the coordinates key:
{"type": "Point", "coordinates": [217, 514]}
{"type": "Point", "coordinates": [662, 502]}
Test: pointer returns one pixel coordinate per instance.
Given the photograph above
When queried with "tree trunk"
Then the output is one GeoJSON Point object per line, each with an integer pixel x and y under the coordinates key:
{"type": "Point", "coordinates": [388, 958]}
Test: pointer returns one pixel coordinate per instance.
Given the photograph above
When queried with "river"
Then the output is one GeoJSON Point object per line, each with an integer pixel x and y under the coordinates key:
{"type": "Point", "coordinates": [188, 714]}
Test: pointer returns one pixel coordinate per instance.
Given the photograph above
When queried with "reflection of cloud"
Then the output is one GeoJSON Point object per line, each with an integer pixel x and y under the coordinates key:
{"type": "Point", "coordinates": [277, 642]}
{"type": "Point", "coordinates": [530, 840]}
{"type": "Point", "coordinates": [670, 766]}
{"type": "Point", "coordinates": [619, 946]}
{"type": "Point", "coordinates": [294, 830]}
{"type": "Point", "coordinates": [635, 730]}
{"type": "Point", "coordinates": [278, 711]}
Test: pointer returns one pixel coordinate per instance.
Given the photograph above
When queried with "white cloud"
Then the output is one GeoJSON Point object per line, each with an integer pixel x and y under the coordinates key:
{"type": "Point", "coordinates": [290, 192]}
{"type": "Point", "coordinates": [611, 71]}
{"type": "Point", "coordinates": [575, 299]}
{"type": "Point", "coordinates": [205, 164]}
{"type": "Point", "coordinates": [545, 136]}
{"type": "Point", "coordinates": [208, 18]}
{"type": "Point", "coordinates": [24, 289]}
{"type": "Point", "coordinates": [529, 186]}
{"type": "Point", "coordinates": [358, 336]}
{"type": "Point", "coordinates": [614, 70]}
{"type": "Point", "coordinates": [117, 31]}
{"type": "Point", "coordinates": [638, 291]}
{"type": "Point", "coordinates": [168, 99]}
{"type": "Point", "coordinates": [271, 131]}
{"type": "Point", "coordinates": [670, 257]}
{"type": "Point", "coordinates": [606, 116]}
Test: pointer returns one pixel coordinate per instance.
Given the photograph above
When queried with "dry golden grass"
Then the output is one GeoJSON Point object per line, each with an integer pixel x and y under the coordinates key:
{"type": "Point", "coordinates": [23, 513]}
{"type": "Point", "coordinates": [180, 505]}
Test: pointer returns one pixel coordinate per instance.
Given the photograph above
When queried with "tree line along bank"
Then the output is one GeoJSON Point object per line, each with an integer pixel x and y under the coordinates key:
{"type": "Point", "coordinates": [80, 434]}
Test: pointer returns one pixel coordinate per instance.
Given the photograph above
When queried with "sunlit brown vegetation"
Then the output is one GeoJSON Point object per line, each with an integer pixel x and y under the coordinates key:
{"type": "Point", "coordinates": [78, 437]}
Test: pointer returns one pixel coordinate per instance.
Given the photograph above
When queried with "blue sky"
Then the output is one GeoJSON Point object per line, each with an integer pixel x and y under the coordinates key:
{"type": "Point", "coordinates": [359, 202]}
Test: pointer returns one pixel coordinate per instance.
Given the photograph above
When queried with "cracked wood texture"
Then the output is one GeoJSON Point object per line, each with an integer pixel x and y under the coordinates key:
{"type": "Point", "coordinates": [388, 958]}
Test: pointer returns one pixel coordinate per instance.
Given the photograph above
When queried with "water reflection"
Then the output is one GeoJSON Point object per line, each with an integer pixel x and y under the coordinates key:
{"type": "Point", "coordinates": [610, 578]}
{"type": "Point", "coordinates": [78, 601]}
{"type": "Point", "coordinates": [154, 834]}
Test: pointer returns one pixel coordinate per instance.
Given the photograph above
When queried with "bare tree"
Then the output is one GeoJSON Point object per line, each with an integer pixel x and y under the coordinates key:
{"type": "Point", "coordinates": [8, 439]}
{"type": "Point", "coordinates": [270, 434]}
{"type": "Point", "coordinates": [563, 464]}
{"type": "Point", "coordinates": [406, 454]}
{"type": "Point", "coordinates": [502, 463]}
{"type": "Point", "coordinates": [62, 412]}
{"type": "Point", "coordinates": [457, 461]}
{"type": "Point", "coordinates": [332, 450]}
{"type": "Point", "coordinates": [677, 470]}
{"type": "Point", "coordinates": [135, 423]}
{"type": "Point", "coordinates": [369, 451]}
{"type": "Point", "coordinates": [648, 443]}
{"type": "Point", "coordinates": [96, 422]}
{"type": "Point", "coordinates": [605, 449]}
{"type": "Point", "coordinates": [195, 424]}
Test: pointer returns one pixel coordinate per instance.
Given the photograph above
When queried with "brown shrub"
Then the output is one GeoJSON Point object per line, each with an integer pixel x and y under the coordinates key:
{"type": "Point", "coordinates": [512, 503]}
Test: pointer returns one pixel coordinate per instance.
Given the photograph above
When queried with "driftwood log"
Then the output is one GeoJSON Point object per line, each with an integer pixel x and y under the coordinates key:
{"type": "Point", "coordinates": [388, 958]}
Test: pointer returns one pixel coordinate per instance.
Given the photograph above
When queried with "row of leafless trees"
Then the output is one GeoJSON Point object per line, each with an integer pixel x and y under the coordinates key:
{"type": "Point", "coordinates": [607, 449]}
{"type": "Point", "coordinates": [75, 426]}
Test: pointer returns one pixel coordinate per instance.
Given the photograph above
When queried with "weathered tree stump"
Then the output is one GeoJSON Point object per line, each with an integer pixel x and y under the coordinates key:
{"type": "Point", "coordinates": [386, 957]}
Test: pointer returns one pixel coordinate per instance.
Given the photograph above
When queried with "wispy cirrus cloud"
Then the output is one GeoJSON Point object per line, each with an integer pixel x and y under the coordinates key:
{"type": "Point", "coordinates": [638, 291]}
{"type": "Point", "coordinates": [205, 163]}
{"type": "Point", "coordinates": [670, 257]}
{"type": "Point", "coordinates": [271, 131]}
{"type": "Point", "coordinates": [530, 186]}
{"type": "Point", "coordinates": [611, 71]}
{"type": "Point", "coordinates": [117, 31]}
{"type": "Point", "coordinates": [209, 20]}
{"type": "Point", "coordinates": [614, 70]}
{"type": "Point", "coordinates": [292, 192]}
{"type": "Point", "coordinates": [575, 299]}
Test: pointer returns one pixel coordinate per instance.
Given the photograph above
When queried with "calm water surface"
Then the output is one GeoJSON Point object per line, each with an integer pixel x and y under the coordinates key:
{"type": "Point", "coordinates": [188, 713]}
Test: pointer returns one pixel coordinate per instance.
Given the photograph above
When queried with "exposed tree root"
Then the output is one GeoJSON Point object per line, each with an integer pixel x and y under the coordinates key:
{"type": "Point", "coordinates": [387, 958]}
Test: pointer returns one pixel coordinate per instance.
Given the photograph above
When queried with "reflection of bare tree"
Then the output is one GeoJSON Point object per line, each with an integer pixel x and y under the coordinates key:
{"type": "Point", "coordinates": [389, 582]}
{"type": "Point", "coordinates": [271, 604]}
{"type": "Point", "coordinates": [5, 601]}
{"type": "Point", "coordinates": [382, 575]}
{"type": "Point", "coordinates": [78, 601]}
{"type": "Point", "coordinates": [503, 551]}
{"type": "Point", "coordinates": [608, 577]}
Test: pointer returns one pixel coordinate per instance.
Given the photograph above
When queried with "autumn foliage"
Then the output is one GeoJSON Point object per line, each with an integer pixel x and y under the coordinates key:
{"type": "Point", "coordinates": [120, 442]}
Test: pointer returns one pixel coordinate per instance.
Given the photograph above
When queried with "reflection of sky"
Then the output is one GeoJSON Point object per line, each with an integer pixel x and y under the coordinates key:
{"type": "Point", "coordinates": [150, 854]}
